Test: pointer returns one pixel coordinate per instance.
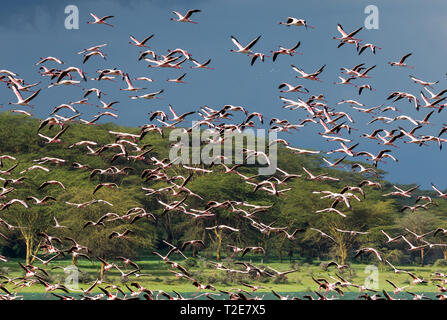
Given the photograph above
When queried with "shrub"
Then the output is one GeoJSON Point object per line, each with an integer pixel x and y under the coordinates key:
{"type": "Point", "coordinates": [280, 280]}
{"type": "Point", "coordinates": [396, 257]}
{"type": "Point", "coordinates": [440, 263]}
{"type": "Point", "coordinates": [264, 279]}
{"type": "Point", "coordinates": [191, 262]}
{"type": "Point", "coordinates": [324, 265]}
{"type": "Point", "coordinates": [124, 280]}
{"type": "Point", "coordinates": [168, 280]}
{"type": "Point", "coordinates": [4, 271]}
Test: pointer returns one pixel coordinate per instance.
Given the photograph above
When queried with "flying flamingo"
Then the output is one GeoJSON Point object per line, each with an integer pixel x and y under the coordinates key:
{"type": "Point", "coordinates": [140, 44]}
{"type": "Point", "coordinates": [20, 100]}
{"type": "Point", "coordinates": [100, 21]}
{"type": "Point", "coordinates": [186, 17]}
{"type": "Point", "coordinates": [291, 21]}
{"type": "Point", "coordinates": [242, 49]}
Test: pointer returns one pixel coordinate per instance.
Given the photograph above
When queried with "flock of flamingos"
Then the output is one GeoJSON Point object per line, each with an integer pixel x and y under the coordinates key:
{"type": "Point", "coordinates": [334, 126]}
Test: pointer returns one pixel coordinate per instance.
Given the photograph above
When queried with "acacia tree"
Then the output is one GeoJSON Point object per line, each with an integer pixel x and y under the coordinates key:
{"type": "Point", "coordinates": [29, 222]}
{"type": "Point", "coordinates": [420, 223]}
{"type": "Point", "coordinates": [96, 238]}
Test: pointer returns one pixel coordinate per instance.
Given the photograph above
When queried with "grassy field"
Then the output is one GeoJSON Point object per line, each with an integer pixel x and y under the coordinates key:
{"type": "Point", "coordinates": [160, 277]}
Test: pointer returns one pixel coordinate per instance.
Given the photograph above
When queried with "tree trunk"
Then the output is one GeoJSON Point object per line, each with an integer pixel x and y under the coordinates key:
{"type": "Point", "coordinates": [343, 256]}
{"type": "Point", "coordinates": [219, 243]}
{"type": "Point", "coordinates": [101, 272]}
{"type": "Point", "coordinates": [342, 252]}
{"type": "Point", "coordinates": [36, 251]}
{"type": "Point", "coordinates": [280, 250]}
{"type": "Point", "coordinates": [28, 249]}
{"type": "Point", "coordinates": [168, 228]}
{"type": "Point", "coordinates": [422, 257]}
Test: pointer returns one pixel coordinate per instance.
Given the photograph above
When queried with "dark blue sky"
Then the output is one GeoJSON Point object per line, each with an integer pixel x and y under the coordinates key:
{"type": "Point", "coordinates": [34, 29]}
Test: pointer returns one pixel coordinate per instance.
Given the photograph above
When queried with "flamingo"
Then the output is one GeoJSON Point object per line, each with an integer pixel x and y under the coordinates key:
{"type": "Point", "coordinates": [257, 55]}
{"type": "Point", "coordinates": [401, 62]}
{"type": "Point", "coordinates": [331, 210]}
{"type": "Point", "coordinates": [94, 48]}
{"type": "Point", "coordinates": [176, 117]}
{"type": "Point", "coordinates": [199, 65]}
{"type": "Point", "coordinates": [142, 43]}
{"type": "Point", "coordinates": [42, 201]}
{"type": "Point", "coordinates": [422, 82]}
{"type": "Point", "coordinates": [369, 250]}
{"type": "Point", "coordinates": [345, 37]}
{"type": "Point", "coordinates": [55, 139]}
{"type": "Point", "coordinates": [291, 21]}
{"type": "Point", "coordinates": [222, 226]}
{"type": "Point", "coordinates": [21, 112]}
{"type": "Point", "coordinates": [311, 76]}
{"type": "Point", "coordinates": [242, 49]}
{"type": "Point", "coordinates": [186, 17]}
{"type": "Point", "coordinates": [118, 235]}
{"type": "Point", "coordinates": [130, 87]}
{"type": "Point", "coordinates": [20, 100]}
{"type": "Point", "coordinates": [94, 53]}
{"type": "Point", "coordinates": [437, 95]}
{"type": "Point", "coordinates": [152, 95]}
{"type": "Point", "coordinates": [366, 46]}
{"type": "Point", "coordinates": [413, 247]}
{"type": "Point", "coordinates": [100, 21]}
{"type": "Point", "coordinates": [50, 59]}
{"type": "Point", "coordinates": [440, 194]}
{"type": "Point", "coordinates": [19, 85]}
{"type": "Point", "coordinates": [178, 80]}
{"type": "Point", "coordinates": [292, 88]}
{"type": "Point", "coordinates": [65, 83]}
{"type": "Point", "coordinates": [68, 70]}
{"type": "Point", "coordinates": [51, 182]}
{"type": "Point", "coordinates": [288, 51]}
{"type": "Point", "coordinates": [6, 205]}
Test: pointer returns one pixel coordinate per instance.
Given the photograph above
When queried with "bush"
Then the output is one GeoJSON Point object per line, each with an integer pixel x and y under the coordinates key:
{"type": "Point", "coordinates": [85, 277]}
{"type": "Point", "coordinates": [280, 280]}
{"type": "Point", "coordinates": [191, 262]}
{"type": "Point", "coordinates": [396, 257]}
{"type": "Point", "coordinates": [124, 280]}
{"type": "Point", "coordinates": [308, 259]}
{"type": "Point", "coordinates": [201, 262]}
{"type": "Point", "coordinates": [294, 265]}
{"type": "Point", "coordinates": [324, 266]}
{"type": "Point", "coordinates": [4, 271]}
{"type": "Point", "coordinates": [168, 280]}
{"type": "Point", "coordinates": [211, 279]}
{"type": "Point", "coordinates": [440, 263]}
{"type": "Point", "coordinates": [264, 279]}
{"type": "Point", "coordinates": [14, 248]}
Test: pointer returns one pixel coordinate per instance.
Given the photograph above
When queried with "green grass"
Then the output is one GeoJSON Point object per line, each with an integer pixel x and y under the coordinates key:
{"type": "Point", "coordinates": [161, 279]}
